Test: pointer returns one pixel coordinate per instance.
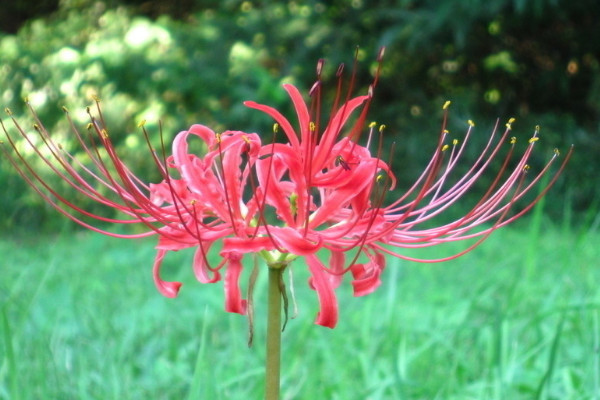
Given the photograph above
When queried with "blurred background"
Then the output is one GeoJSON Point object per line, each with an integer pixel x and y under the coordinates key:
{"type": "Point", "coordinates": [192, 61]}
{"type": "Point", "coordinates": [518, 318]}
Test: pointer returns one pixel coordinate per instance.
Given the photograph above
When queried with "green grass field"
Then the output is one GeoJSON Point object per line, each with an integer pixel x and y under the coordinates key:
{"type": "Point", "coordinates": [518, 318]}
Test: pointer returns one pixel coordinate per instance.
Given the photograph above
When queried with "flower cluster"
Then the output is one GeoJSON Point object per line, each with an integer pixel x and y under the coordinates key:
{"type": "Point", "coordinates": [317, 190]}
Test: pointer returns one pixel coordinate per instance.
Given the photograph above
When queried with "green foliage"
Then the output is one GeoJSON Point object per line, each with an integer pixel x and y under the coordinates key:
{"type": "Point", "coordinates": [529, 59]}
{"type": "Point", "coordinates": [481, 327]}
{"type": "Point", "coordinates": [197, 61]}
{"type": "Point", "coordinates": [141, 69]}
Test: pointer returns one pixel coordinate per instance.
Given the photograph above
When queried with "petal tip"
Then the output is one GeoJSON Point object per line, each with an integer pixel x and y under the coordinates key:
{"type": "Point", "coordinates": [169, 289]}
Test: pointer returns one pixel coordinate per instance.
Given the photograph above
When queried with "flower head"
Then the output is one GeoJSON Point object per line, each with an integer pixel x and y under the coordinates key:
{"type": "Point", "coordinates": [321, 188]}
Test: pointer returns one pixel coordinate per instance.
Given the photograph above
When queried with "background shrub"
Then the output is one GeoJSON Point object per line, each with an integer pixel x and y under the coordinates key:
{"type": "Point", "coordinates": [196, 62]}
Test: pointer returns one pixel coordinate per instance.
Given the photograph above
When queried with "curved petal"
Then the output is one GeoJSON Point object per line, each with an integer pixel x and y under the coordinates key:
{"type": "Point", "coordinates": [205, 133]}
{"type": "Point", "coordinates": [202, 270]}
{"type": "Point", "coordinates": [166, 288]}
{"type": "Point", "coordinates": [233, 296]}
{"type": "Point", "coordinates": [333, 130]}
{"type": "Point", "coordinates": [182, 160]}
{"type": "Point", "coordinates": [283, 161]}
{"type": "Point", "coordinates": [335, 200]}
{"type": "Point", "coordinates": [301, 111]}
{"type": "Point", "coordinates": [293, 241]}
{"type": "Point", "coordinates": [366, 276]}
{"type": "Point", "coordinates": [247, 245]}
{"type": "Point", "coordinates": [328, 314]}
{"type": "Point", "coordinates": [279, 118]}
{"type": "Point", "coordinates": [336, 266]}
{"type": "Point", "coordinates": [231, 160]}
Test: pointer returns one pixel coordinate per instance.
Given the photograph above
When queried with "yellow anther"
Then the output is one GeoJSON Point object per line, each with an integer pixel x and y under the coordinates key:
{"type": "Point", "coordinates": [513, 140]}
{"type": "Point", "coordinates": [556, 152]}
{"type": "Point", "coordinates": [218, 137]}
{"type": "Point", "coordinates": [534, 139]}
{"type": "Point", "coordinates": [26, 99]}
{"type": "Point", "coordinates": [36, 127]}
{"type": "Point", "coordinates": [89, 126]}
{"type": "Point", "coordinates": [511, 120]}
{"type": "Point", "coordinates": [65, 109]}
{"type": "Point", "coordinates": [537, 129]}
{"type": "Point", "coordinates": [141, 123]}
{"type": "Point", "coordinates": [245, 138]}
{"type": "Point", "coordinates": [275, 127]}
{"type": "Point", "coordinates": [526, 168]}
{"type": "Point", "coordinates": [379, 178]}
{"type": "Point", "coordinates": [104, 133]}
{"type": "Point", "coordinates": [446, 131]}
{"type": "Point", "coordinates": [373, 124]}
{"type": "Point", "coordinates": [471, 123]}
{"type": "Point", "coordinates": [455, 142]}
{"type": "Point", "coordinates": [7, 110]}
{"type": "Point", "coordinates": [445, 147]}
{"type": "Point", "coordinates": [59, 146]}
{"type": "Point", "coordinates": [381, 128]}
{"type": "Point", "coordinates": [193, 202]}
{"type": "Point", "coordinates": [446, 105]}
{"type": "Point", "coordinates": [311, 126]}
{"type": "Point", "coordinates": [96, 98]}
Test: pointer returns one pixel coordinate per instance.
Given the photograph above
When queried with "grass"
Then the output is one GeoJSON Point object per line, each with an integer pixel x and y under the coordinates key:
{"type": "Point", "coordinates": [80, 319]}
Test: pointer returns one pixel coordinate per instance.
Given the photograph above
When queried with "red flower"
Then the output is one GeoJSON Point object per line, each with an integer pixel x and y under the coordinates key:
{"type": "Point", "coordinates": [320, 190]}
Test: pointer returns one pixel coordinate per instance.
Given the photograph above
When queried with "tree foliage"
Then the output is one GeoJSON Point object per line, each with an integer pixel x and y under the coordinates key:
{"type": "Point", "coordinates": [195, 61]}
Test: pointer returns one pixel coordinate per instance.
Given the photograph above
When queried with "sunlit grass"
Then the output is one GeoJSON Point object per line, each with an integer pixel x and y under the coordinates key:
{"type": "Point", "coordinates": [81, 320]}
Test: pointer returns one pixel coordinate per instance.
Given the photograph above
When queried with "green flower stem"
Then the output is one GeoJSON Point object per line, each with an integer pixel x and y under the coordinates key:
{"type": "Point", "coordinates": [273, 335]}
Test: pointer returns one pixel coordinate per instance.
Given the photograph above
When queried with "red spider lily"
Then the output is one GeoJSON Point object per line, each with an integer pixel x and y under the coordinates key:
{"type": "Point", "coordinates": [319, 190]}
